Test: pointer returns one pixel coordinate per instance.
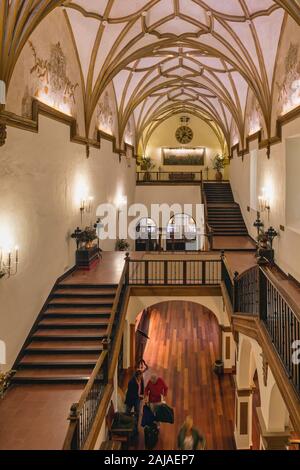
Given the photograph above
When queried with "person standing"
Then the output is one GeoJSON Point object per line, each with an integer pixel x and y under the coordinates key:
{"type": "Point", "coordinates": [155, 391]}
{"type": "Point", "coordinates": [189, 438]}
{"type": "Point", "coordinates": [134, 395]}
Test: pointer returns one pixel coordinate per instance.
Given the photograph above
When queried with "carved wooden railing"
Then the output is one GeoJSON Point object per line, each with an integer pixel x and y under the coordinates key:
{"type": "Point", "coordinates": [83, 414]}
{"type": "Point", "coordinates": [258, 292]}
{"type": "Point", "coordinates": [169, 177]}
{"type": "Point", "coordinates": [281, 316]}
{"type": "Point", "coordinates": [174, 272]}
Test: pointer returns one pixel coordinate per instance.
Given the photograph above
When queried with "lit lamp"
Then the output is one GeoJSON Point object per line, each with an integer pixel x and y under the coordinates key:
{"type": "Point", "coordinates": [86, 206]}
{"type": "Point", "coordinates": [9, 263]}
{"type": "Point", "coordinates": [263, 202]}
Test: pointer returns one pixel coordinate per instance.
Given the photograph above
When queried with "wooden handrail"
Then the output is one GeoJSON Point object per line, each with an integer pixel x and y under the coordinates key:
{"type": "Point", "coordinates": [117, 298]}
{"type": "Point", "coordinates": [284, 294]}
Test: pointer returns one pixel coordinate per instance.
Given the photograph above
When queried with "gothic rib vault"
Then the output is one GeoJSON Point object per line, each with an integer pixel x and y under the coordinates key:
{"type": "Point", "coordinates": [165, 56]}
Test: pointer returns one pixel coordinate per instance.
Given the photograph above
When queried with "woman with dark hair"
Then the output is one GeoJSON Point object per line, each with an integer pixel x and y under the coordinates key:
{"type": "Point", "coordinates": [134, 395]}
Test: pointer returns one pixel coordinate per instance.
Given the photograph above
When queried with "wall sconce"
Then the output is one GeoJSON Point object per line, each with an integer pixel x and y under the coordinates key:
{"type": "Point", "coordinates": [264, 202]}
{"type": "Point", "coordinates": [86, 206]}
{"type": "Point", "coordinates": [9, 263]}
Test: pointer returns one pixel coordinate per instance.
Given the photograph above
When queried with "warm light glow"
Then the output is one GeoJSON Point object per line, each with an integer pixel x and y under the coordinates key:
{"type": "Point", "coordinates": [294, 99]}
{"type": "Point", "coordinates": [81, 191]}
{"type": "Point", "coordinates": [121, 201]}
{"type": "Point", "coordinates": [49, 101]}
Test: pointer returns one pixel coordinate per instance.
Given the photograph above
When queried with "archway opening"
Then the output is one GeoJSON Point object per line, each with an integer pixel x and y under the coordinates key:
{"type": "Point", "coordinates": [184, 342]}
{"type": "Point", "coordinates": [146, 235]}
{"type": "Point", "coordinates": [182, 233]}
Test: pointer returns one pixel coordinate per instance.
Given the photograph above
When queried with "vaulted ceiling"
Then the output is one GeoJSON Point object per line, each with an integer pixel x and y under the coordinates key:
{"type": "Point", "coordinates": [164, 56]}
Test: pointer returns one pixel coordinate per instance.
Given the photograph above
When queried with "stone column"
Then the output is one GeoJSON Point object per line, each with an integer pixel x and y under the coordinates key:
{"type": "Point", "coordinates": [271, 440]}
{"type": "Point", "coordinates": [243, 418]}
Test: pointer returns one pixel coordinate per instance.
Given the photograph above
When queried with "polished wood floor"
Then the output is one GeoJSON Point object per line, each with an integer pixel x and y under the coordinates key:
{"type": "Point", "coordinates": [183, 345]}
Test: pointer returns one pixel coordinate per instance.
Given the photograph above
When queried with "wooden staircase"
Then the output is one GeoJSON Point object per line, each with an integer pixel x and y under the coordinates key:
{"type": "Point", "coordinates": [224, 215]}
{"type": "Point", "coordinates": [65, 343]}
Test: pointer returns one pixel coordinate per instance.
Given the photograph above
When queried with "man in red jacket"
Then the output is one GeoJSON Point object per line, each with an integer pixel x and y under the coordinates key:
{"type": "Point", "coordinates": [156, 391]}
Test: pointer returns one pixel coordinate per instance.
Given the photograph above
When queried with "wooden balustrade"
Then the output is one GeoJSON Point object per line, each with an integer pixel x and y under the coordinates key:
{"type": "Point", "coordinates": [169, 177]}
{"type": "Point", "coordinates": [174, 272]}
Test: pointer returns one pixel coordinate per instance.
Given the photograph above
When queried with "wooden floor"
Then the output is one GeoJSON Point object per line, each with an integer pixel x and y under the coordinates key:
{"type": "Point", "coordinates": [184, 343]}
{"type": "Point", "coordinates": [34, 417]}
{"type": "Point", "coordinates": [235, 243]}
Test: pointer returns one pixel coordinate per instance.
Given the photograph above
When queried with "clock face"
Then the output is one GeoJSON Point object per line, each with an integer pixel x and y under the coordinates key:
{"type": "Point", "coordinates": [184, 134]}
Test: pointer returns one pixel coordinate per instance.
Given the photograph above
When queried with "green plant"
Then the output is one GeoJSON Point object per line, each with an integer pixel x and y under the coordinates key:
{"type": "Point", "coordinates": [82, 237]}
{"type": "Point", "coordinates": [147, 164]}
{"type": "Point", "coordinates": [218, 163]}
{"type": "Point", "coordinates": [5, 381]}
{"type": "Point", "coordinates": [122, 245]}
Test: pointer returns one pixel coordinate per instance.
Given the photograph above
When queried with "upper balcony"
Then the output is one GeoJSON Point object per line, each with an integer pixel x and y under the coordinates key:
{"type": "Point", "coordinates": [174, 177]}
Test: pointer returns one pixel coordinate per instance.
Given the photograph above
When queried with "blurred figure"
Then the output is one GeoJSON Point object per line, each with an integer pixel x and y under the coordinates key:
{"type": "Point", "coordinates": [142, 367]}
{"type": "Point", "coordinates": [189, 438]}
{"type": "Point", "coordinates": [134, 395]}
{"type": "Point", "coordinates": [155, 392]}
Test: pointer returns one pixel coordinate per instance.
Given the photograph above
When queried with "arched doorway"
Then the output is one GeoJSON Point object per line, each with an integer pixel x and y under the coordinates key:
{"type": "Point", "coordinates": [184, 342]}
{"type": "Point", "coordinates": [146, 235]}
{"type": "Point", "coordinates": [181, 233]}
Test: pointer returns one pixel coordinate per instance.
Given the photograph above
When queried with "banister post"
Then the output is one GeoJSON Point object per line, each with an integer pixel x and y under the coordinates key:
{"type": "Point", "coordinates": [235, 291]}
{"type": "Point", "coordinates": [127, 261]}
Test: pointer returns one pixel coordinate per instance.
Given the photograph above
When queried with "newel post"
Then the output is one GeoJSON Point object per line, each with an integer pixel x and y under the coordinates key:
{"type": "Point", "coordinates": [235, 291]}
{"type": "Point", "coordinates": [127, 261]}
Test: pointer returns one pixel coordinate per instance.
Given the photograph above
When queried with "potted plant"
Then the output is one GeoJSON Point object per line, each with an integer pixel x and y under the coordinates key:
{"type": "Point", "coordinates": [122, 245]}
{"type": "Point", "coordinates": [146, 166]}
{"type": "Point", "coordinates": [5, 379]}
{"type": "Point", "coordinates": [218, 165]}
{"type": "Point", "coordinates": [84, 238]}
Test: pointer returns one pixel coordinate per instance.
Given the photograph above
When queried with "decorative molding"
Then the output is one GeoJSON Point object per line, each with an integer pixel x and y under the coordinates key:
{"type": "Point", "coordinates": [267, 143]}
{"type": "Point", "coordinates": [38, 108]}
{"type": "Point", "coordinates": [265, 369]}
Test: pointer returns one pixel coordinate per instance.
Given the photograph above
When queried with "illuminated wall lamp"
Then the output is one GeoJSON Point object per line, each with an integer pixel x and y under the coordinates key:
{"type": "Point", "coordinates": [9, 264]}
{"type": "Point", "coordinates": [264, 203]}
{"type": "Point", "coordinates": [86, 206]}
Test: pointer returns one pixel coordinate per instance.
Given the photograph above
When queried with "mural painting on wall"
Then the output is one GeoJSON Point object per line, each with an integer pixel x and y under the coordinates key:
{"type": "Point", "coordinates": [289, 88]}
{"type": "Point", "coordinates": [128, 135]}
{"type": "Point", "coordinates": [104, 115]}
{"type": "Point", "coordinates": [51, 83]}
{"type": "Point", "coordinates": [255, 118]}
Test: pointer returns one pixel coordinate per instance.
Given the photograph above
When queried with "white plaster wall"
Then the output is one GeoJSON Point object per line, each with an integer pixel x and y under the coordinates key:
{"type": "Point", "coordinates": [41, 176]}
{"type": "Point", "coordinates": [246, 366]}
{"type": "Point", "coordinates": [271, 175]}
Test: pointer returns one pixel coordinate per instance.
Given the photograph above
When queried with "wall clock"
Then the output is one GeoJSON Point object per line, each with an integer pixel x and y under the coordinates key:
{"type": "Point", "coordinates": [184, 135]}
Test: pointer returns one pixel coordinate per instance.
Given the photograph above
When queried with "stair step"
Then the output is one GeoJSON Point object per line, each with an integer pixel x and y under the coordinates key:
{"type": "Point", "coordinates": [58, 360]}
{"type": "Point", "coordinates": [73, 322]}
{"type": "Point", "coordinates": [57, 346]}
{"type": "Point", "coordinates": [71, 333]}
{"type": "Point", "coordinates": [71, 291]}
{"type": "Point", "coordinates": [80, 310]}
{"type": "Point", "coordinates": [59, 375]}
{"type": "Point", "coordinates": [81, 301]}
{"type": "Point", "coordinates": [95, 314]}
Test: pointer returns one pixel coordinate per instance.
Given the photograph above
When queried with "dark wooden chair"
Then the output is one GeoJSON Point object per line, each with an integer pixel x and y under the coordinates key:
{"type": "Point", "coordinates": [121, 426]}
